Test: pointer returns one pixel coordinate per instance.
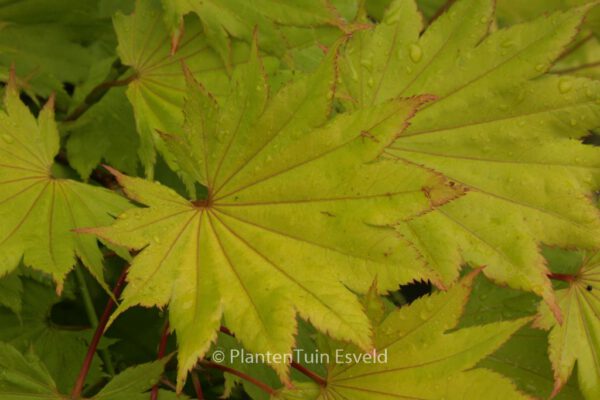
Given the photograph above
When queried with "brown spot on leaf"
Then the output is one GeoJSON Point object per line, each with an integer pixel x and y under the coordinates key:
{"type": "Point", "coordinates": [369, 135]}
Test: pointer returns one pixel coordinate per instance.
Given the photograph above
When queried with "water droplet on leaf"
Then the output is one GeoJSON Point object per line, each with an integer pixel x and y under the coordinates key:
{"type": "Point", "coordinates": [415, 52]}
{"type": "Point", "coordinates": [564, 85]}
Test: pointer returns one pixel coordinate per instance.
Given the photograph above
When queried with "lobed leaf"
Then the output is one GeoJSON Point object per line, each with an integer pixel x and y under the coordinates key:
{"type": "Point", "coordinates": [524, 357]}
{"type": "Point", "coordinates": [500, 127]}
{"type": "Point", "coordinates": [107, 132]}
{"type": "Point", "coordinates": [61, 349]}
{"type": "Point", "coordinates": [281, 24]}
{"type": "Point", "coordinates": [578, 338]}
{"type": "Point", "coordinates": [299, 212]}
{"type": "Point", "coordinates": [424, 360]}
{"type": "Point", "coordinates": [38, 209]}
{"type": "Point", "coordinates": [24, 377]}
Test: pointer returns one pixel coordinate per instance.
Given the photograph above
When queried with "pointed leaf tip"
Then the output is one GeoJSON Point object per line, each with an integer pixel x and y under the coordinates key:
{"type": "Point", "coordinates": [50, 103]}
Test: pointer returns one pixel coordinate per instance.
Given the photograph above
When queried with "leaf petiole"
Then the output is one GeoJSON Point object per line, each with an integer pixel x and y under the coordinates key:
{"type": "Point", "coordinates": [261, 385]}
{"type": "Point", "coordinates": [87, 362]}
{"type": "Point", "coordinates": [92, 317]}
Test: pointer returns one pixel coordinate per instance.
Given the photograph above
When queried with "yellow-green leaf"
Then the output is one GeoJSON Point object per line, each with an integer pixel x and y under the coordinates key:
{"type": "Point", "coordinates": [157, 85]}
{"type": "Point", "coordinates": [578, 338]}
{"type": "Point", "coordinates": [37, 209]}
{"type": "Point", "coordinates": [500, 127]}
{"type": "Point", "coordinates": [300, 211]}
{"type": "Point", "coordinates": [279, 23]}
{"type": "Point", "coordinates": [420, 356]}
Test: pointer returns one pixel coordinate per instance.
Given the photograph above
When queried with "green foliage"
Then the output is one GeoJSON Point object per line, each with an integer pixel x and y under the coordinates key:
{"type": "Point", "coordinates": [26, 377]}
{"type": "Point", "coordinates": [481, 132]}
{"type": "Point", "coordinates": [258, 173]}
{"type": "Point", "coordinates": [578, 338]}
{"type": "Point", "coordinates": [40, 207]}
{"type": "Point", "coordinates": [278, 178]}
{"type": "Point", "coordinates": [523, 358]}
{"type": "Point", "coordinates": [424, 360]}
{"type": "Point", "coordinates": [61, 349]}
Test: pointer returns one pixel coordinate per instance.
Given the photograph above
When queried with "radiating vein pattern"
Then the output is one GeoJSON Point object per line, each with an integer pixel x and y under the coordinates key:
{"type": "Point", "coordinates": [300, 214]}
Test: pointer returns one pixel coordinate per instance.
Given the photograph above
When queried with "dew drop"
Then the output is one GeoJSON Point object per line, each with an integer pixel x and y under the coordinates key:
{"type": "Point", "coordinates": [415, 53]}
{"type": "Point", "coordinates": [564, 86]}
{"type": "Point", "coordinates": [540, 67]}
{"type": "Point", "coordinates": [156, 239]}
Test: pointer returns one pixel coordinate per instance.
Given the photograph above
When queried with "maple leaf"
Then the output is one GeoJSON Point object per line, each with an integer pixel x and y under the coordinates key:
{"type": "Point", "coordinates": [578, 338]}
{"type": "Point", "coordinates": [61, 349]}
{"type": "Point", "coordinates": [24, 377]}
{"type": "Point", "coordinates": [500, 127]}
{"type": "Point", "coordinates": [276, 21]}
{"type": "Point", "coordinates": [524, 357]}
{"type": "Point", "coordinates": [106, 132]}
{"type": "Point", "coordinates": [299, 211]}
{"type": "Point", "coordinates": [40, 210]}
{"type": "Point", "coordinates": [424, 360]}
{"type": "Point", "coordinates": [158, 84]}
{"type": "Point", "coordinates": [582, 57]}
{"type": "Point", "coordinates": [229, 345]}
{"type": "Point", "coordinates": [42, 65]}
